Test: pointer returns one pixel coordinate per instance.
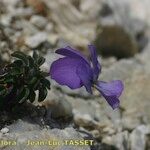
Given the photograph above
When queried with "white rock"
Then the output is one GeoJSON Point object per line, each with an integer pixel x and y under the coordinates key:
{"type": "Point", "coordinates": [4, 130]}
{"type": "Point", "coordinates": [22, 12]}
{"type": "Point", "coordinates": [35, 40]}
{"type": "Point", "coordinates": [53, 38]}
{"type": "Point", "coordinates": [120, 140]}
{"type": "Point", "coordinates": [49, 27]}
{"type": "Point", "coordinates": [84, 120]}
{"type": "Point", "coordinates": [138, 137]}
{"type": "Point", "coordinates": [90, 8]}
{"type": "Point", "coordinates": [39, 21]}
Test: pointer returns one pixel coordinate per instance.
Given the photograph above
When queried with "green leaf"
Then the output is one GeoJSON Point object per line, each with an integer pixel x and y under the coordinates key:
{"type": "Point", "coordinates": [16, 63]}
{"type": "Point", "coordinates": [42, 94]}
{"type": "Point", "coordinates": [25, 76]}
{"type": "Point", "coordinates": [31, 62]}
{"type": "Point", "coordinates": [23, 96]}
{"type": "Point", "coordinates": [30, 72]}
{"type": "Point", "coordinates": [44, 74]}
{"type": "Point", "coordinates": [2, 80]}
{"type": "Point", "coordinates": [2, 90]}
{"type": "Point", "coordinates": [33, 81]}
{"type": "Point", "coordinates": [41, 61]}
{"type": "Point", "coordinates": [35, 85]}
{"type": "Point", "coordinates": [21, 56]}
{"type": "Point", "coordinates": [35, 56]}
{"type": "Point", "coordinates": [46, 83]}
{"type": "Point", "coordinates": [9, 79]}
{"type": "Point", "coordinates": [16, 71]}
{"type": "Point", "coordinates": [32, 96]}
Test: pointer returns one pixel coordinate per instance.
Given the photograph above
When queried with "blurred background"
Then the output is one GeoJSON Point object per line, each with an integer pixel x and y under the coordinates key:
{"type": "Point", "coordinates": [120, 30]}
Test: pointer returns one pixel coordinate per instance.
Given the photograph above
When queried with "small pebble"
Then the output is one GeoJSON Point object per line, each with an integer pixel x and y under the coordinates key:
{"type": "Point", "coordinates": [35, 40]}
{"type": "Point", "coordinates": [39, 21]}
{"type": "Point", "coordinates": [4, 130]}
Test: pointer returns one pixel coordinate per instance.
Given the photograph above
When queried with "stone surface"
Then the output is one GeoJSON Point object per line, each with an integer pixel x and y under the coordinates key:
{"type": "Point", "coordinates": [39, 21]}
{"type": "Point", "coordinates": [135, 75]}
{"type": "Point", "coordinates": [140, 9]}
{"type": "Point", "coordinates": [35, 40]}
{"type": "Point", "coordinates": [67, 23]}
{"type": "Point", "coordinates": [21, 126]}
{"type": "Point", "coordinates": [138, 137]}
{"type": "Point", "coordinates": [4, 130]}
{"type": "Point", "coordinates": [120, 140]}
{"type": "Point", "coordinates": [28, 139]}
{"type": "Point", "coordinates": [122, 26]}
{"type": "Point", "coordinates": [118, 23]}
{"type": "Point", "coordinates": [84, 120]}
{"type": "Point", "coordinates": [114, 40]}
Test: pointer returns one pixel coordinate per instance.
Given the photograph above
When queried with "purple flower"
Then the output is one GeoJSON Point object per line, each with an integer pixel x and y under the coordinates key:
{"type": "Point", "coordinates": [75, 70]}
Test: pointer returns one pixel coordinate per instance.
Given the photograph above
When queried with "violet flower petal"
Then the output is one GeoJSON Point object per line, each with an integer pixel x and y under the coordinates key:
{"type": "Point", "coordinates": [113, 88]}
{"type": "Point", "coordinates": [111, 91]}
{"type": "Point", "coordinates": [95, 63]}
{"type": "Point", "coordinates": [64, 71]}
{"type": "Point", "coordinates": [86, 75]}
{"type": "Point", "coordinates": [70, 52]}
{"type": "Point", "coordinates": [112, 101]}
